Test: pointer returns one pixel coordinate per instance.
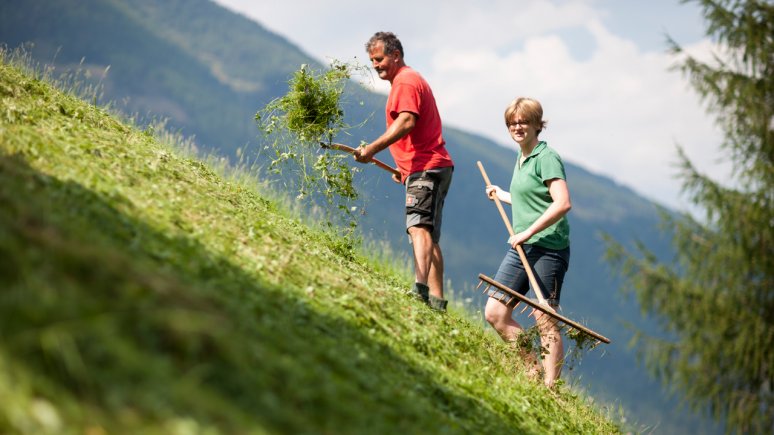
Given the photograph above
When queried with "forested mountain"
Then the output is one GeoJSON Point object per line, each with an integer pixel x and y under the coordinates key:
{"type": "Point", "coordinates": [209, 70]}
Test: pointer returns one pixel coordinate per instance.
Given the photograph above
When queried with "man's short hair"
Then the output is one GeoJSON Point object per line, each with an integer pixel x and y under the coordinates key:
{"type": "Point", "coordinates": [390, 41]}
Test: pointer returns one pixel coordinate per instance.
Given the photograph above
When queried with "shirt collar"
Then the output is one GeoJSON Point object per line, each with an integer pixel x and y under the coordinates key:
{"type": "Point", "coordinates": [538, 148]}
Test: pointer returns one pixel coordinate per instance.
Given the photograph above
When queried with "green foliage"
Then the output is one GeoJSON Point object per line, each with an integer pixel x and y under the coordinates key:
{"type": "Point", "coordinates": [298, 122]}
{"type": "Point", "coordinates": [582, 344]}
{"type": "Point", "coordinates": [143, 292]}
{"type": "Point", "coordinates": [716, 302]}
{"type": "Point", "coordinates": [310, 110]}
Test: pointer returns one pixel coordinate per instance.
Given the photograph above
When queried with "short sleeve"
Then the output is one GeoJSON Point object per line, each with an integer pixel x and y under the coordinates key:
{"type": "Point", "coordinates": [551, 167]}
{"type": "Point", "coordinates": [405, 98]}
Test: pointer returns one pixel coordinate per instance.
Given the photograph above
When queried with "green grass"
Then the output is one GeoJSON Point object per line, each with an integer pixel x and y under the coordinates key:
{"type": "Point", "coordinates": [142, 291]}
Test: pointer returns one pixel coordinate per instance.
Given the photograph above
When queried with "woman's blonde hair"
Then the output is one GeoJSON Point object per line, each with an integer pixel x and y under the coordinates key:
{"type": "Point", "coordinates": [529, 108]}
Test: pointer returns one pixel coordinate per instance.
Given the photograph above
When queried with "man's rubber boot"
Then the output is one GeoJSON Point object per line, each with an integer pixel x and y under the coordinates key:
{"type": "Point", "coordinates": [421, 292]}
{"type": "Point", "coordinates": [437, 304]}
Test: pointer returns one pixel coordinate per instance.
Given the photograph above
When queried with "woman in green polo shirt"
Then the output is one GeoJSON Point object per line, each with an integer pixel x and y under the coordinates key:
{"type": "Point", "coordinates": [540, 202]}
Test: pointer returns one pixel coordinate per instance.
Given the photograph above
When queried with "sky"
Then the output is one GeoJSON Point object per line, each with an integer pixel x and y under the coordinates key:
{"type": "Point", "coordinates": [600, 68]}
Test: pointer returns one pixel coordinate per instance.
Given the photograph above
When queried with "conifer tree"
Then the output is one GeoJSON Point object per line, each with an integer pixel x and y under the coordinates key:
{"type": "Point", "coordinates": [715, 302]}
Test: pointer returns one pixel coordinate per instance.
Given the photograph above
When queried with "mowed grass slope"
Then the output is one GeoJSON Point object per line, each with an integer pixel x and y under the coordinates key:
{"type": "Point", "coordinates": [141, 291]}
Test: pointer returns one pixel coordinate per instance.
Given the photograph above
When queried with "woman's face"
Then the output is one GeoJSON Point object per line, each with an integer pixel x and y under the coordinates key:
{"type": "Point", "coordinates": [522, 131]}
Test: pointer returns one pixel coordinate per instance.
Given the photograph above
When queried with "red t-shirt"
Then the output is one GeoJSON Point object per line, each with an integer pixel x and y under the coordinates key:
{"type": "Point", "coordinates": [423, 148]}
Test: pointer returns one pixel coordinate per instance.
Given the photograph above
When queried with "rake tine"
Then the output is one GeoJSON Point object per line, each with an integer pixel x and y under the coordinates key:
{"type": "Point", "coordinates": [479, 284]}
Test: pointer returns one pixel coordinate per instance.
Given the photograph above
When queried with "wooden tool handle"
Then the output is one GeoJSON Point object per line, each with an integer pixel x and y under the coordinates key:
{"type": "Point", "coordinates": [342, 147]}
{"type": "Point", "coordinates": [497, 201]}
{"type": "Point", "coordinates": [519, 249]}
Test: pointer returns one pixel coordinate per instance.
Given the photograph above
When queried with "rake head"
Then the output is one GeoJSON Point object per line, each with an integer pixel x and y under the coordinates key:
{"type": "Point", "coordinates": [563, 323]}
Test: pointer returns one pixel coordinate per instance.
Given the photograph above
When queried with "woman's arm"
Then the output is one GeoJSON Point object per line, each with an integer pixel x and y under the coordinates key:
{"type": "Point", "coordinates": [561, 204]}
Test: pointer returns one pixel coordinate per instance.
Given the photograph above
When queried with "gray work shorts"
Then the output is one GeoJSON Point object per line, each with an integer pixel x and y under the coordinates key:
{"type": "Point", "coordinates": [425, 196]}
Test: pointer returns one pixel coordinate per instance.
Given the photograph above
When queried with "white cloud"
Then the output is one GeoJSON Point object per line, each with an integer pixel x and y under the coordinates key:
{"type": "Point", "coordinates": [617, 110]}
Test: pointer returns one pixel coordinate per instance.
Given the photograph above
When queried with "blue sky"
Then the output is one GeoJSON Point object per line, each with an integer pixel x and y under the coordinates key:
{"type": "Point", "coordinates": [599, 67]}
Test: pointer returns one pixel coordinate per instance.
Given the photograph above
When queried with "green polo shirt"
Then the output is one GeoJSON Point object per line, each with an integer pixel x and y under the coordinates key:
{"type": "Point", "coordinates": [530, 197]}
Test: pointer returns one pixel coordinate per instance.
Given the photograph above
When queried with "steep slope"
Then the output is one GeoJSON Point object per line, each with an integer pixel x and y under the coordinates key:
{"type": "Point", "coordinates": [142, 292]}
{"type": "Point", "coordinates": [208, 70]}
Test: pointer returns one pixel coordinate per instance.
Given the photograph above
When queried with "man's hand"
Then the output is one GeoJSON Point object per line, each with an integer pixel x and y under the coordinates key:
{"type": "Point", "coordinates": [362, 154]}
{"type": "Point", "coordinates": [402, 126]}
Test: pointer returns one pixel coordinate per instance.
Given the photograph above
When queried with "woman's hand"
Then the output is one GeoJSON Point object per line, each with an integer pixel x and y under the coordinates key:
{"type": "Point", "coordinates": [502, 195]}
{"type": "Point", "coordinates": [518, 239]}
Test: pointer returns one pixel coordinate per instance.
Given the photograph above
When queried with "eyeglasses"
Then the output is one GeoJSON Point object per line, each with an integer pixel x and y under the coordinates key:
{"type": "Point", "coordinates": [515, 124]}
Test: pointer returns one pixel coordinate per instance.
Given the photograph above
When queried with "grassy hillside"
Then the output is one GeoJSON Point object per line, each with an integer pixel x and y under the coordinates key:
{"type": "Point", "coordinates": [208, 70]}
{"type": "Point", "coordinates": [142, 291]}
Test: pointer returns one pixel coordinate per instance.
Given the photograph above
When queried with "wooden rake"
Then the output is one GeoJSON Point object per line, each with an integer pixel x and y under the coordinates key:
{"type": "Point", "coordinates": [542, 305]}
{"type": "Point", "coordinates": [348, 149]}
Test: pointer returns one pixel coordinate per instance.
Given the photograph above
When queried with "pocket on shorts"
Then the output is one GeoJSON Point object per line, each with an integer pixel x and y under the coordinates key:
{"type": "Point", "coordinates": [419, 196]}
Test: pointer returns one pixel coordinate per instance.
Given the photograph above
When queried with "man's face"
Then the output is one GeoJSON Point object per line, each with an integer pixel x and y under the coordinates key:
{"type": "Point", "coordinates": [385, 64]}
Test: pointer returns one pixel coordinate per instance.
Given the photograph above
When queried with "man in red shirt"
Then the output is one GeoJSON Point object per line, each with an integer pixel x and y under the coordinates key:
{"type": "Point", "coordinates": [414, 138]}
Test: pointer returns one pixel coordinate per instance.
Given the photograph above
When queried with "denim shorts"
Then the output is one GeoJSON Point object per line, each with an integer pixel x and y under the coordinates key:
{"type": "Point", "coordinates": [548, 265]}
{"type": "Point", "coordinates": [425, 195]}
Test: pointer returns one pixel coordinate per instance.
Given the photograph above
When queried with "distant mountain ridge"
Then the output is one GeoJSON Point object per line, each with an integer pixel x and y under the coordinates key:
{"type": "Point", "coordinates": [208, 70]}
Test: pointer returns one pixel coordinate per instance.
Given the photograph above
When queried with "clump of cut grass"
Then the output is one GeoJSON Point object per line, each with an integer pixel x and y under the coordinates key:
{"type": "Point", "coordinates": [582, 344]}
{"type": "Point", "coordinates": [297, 123]}
{"type": "Point", "coordinates": [576, 343]}
{"type": "Point", "coordinates": [310, 110]}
